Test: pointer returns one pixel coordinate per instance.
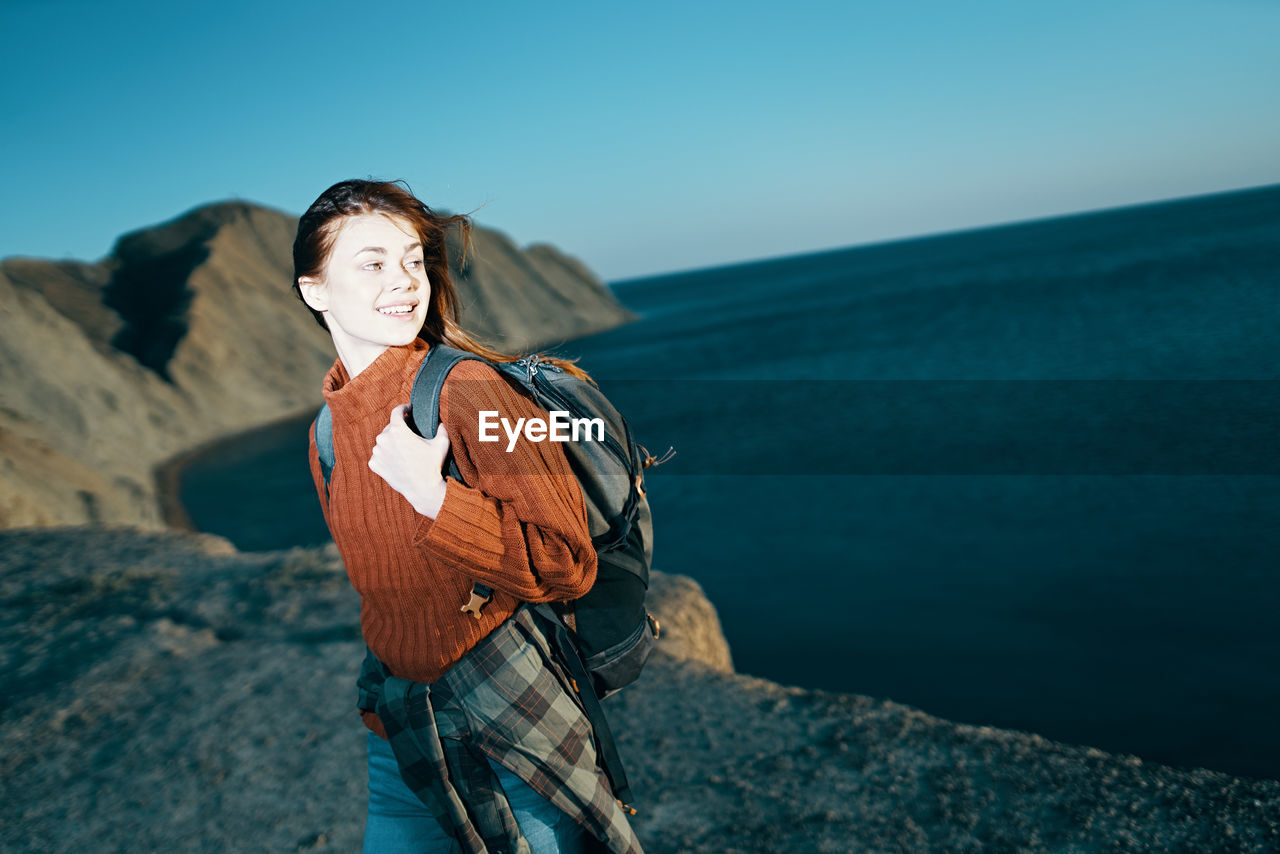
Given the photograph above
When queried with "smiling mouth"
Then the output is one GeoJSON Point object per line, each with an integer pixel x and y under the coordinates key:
{"type": "Point", "coordinates": [397, 310]}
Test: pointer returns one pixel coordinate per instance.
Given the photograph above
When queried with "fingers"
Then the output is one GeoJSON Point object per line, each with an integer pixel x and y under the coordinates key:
{"type": "Point", "coordinates": [399, 416]}
{"type": "Point", "coordinates": [440, 439]}
{"type": "Point", "coordinates": [397, 423]}
{"type": "Point", "coordinates": [403, 461]}
{"type": "Point", "coordinates": [399, 419]}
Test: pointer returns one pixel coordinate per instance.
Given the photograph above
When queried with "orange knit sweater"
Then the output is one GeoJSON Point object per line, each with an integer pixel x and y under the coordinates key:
{"type": "Point", "coordinates": [520, 527]}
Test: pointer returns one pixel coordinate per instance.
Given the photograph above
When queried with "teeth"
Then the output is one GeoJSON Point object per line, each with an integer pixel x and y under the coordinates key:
{"type": "Point", "coordinates": [397, 309]}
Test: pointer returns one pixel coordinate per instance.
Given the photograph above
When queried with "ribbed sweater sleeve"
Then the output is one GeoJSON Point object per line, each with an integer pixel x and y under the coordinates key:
{"type": "Point", "coordinates": [519, 523]}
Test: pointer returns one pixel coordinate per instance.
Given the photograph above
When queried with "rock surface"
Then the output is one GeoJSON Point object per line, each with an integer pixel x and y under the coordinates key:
{"type": "Point", "coordinates": [189, 331]}
{"type": "Point", "coordinates": [163, 692]}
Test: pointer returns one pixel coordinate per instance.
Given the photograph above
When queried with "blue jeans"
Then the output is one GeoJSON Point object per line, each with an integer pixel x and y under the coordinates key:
{"type": "Point", "coordinates": [399, 822]}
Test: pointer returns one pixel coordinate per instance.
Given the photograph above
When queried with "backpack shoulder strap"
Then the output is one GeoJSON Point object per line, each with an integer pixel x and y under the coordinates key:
{"type": "Point", "coordinates": [324, 444]}
{"type": "Point", "coordinates": [424, 405]}
{"type": "Point", "coordinates": [424, 401]}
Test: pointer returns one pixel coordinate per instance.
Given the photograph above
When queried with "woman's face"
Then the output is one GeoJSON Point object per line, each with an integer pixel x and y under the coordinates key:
{"type": "Point", "coordinates": [374, 293]}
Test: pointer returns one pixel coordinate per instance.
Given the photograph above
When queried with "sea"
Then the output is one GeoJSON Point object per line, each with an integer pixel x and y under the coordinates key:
{"type": "Point", "coordinates": [1025, 476]}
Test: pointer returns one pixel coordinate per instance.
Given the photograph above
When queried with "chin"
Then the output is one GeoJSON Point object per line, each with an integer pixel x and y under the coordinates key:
{"type": "Point", "coordinates": [403, 339]}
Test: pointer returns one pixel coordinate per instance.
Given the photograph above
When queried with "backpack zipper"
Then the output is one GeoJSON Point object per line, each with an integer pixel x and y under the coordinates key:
{"type": "Point", "coordinates": [532, 364]}
{"type": "Point", "coordinates": [609, 442]}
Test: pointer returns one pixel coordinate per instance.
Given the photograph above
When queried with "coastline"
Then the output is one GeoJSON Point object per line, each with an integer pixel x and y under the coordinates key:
{"type": "Point", "coordinates": [167, 476]}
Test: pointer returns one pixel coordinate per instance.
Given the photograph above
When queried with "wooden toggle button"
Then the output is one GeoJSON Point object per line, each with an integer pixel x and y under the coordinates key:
{"type": "Point", "coordinates": [474, 604]}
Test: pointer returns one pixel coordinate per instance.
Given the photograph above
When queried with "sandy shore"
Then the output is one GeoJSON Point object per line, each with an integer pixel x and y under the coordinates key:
{"type": "Point", "coordinates": [168, 474]}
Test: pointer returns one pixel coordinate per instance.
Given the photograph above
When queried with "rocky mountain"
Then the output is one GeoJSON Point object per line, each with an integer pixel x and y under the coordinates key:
{"type": "Point", "coordinates": [188, 331]}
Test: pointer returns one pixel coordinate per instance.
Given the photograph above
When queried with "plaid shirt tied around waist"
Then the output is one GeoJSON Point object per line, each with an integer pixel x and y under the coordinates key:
{"type": "Point", "coordinates": [509, 700]}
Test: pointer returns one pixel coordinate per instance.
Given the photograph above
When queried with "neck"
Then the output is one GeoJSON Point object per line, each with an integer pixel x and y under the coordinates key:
{"type": "Point", "coordinates": [356, 356]}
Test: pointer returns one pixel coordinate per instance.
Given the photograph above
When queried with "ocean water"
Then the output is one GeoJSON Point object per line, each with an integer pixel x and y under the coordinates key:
{"type": "Point", "coordinates": [1023, 476]}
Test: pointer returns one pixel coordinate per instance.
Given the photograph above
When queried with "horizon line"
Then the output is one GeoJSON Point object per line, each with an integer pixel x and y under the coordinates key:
{"type": "Point", "coordinates": [929, 235]}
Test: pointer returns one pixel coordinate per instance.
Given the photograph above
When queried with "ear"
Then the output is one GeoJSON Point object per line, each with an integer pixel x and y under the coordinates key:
{"type": "Point", "coordinates": [314, 293]}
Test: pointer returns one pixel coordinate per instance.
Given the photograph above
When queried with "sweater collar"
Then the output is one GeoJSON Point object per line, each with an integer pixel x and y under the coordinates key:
{"type": "Point", "coordinates": [385, 379]}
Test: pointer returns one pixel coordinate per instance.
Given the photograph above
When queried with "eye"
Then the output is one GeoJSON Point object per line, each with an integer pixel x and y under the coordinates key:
{"type": "Point", "coordinates": [416, 262]}
{"type": "Point", "coordinates": [372, 265]}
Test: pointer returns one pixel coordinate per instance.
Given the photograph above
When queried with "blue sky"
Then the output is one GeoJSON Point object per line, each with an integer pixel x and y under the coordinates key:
{"type": "Point", "coordinates": [642, 138]}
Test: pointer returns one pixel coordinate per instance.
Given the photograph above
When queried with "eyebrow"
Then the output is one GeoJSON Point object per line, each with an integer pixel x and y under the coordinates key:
{"type": "Point", "coordinates": [379, 250]}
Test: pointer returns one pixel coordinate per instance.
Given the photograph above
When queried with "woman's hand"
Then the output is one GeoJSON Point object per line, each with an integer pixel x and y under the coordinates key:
{"type": "Point", "coordinates": [410, 464]}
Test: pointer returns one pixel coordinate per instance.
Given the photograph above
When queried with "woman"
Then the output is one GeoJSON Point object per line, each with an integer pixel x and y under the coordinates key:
{"type": "Point", "coordinates": [475, 738]}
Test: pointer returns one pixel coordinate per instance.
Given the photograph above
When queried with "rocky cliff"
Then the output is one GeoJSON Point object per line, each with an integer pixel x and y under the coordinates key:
{"type": "Point", "coordinates": [189, 331]}
{"type": "Point", "coordinates": [163, 692]}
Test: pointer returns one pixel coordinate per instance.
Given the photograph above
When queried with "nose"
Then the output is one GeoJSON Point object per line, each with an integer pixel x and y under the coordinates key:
{"type": "Point", "coordinates": [402, 281]}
